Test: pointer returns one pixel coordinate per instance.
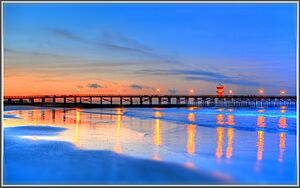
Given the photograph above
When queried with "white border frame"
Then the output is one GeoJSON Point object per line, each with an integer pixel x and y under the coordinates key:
{"type": "Point", "coordinates": [152, 2]}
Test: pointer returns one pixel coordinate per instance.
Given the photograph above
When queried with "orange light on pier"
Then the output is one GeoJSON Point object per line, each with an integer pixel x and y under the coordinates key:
{"type": "Point", "coordinates": [119, 91]}
{"type": "Point", "coordinates": [36, 90]}
{"type": "Point", "coordinates": [191, 139]}
{"type": "Point", "coordinates": [230, 92]}
{"type": "Point", "coordinates": [282, 92]}
{"type": "Point", "coordinates": [192, 91]}
{"type": "Point", "coordinates": [158, 91]}
{"type": "Point", "coordinates": [261, 91]}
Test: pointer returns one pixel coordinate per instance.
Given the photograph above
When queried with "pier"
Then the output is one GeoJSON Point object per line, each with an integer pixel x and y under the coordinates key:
{"type": "Point", "coordinates": [98, 100]}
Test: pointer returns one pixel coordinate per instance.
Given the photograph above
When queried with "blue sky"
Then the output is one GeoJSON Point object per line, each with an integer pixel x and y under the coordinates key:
{"type": "Point", "coordinates": [170, 46]}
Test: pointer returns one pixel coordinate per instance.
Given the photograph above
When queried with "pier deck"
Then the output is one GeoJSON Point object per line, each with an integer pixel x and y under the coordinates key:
{"type": "Point", "coordinates": [97, 100]}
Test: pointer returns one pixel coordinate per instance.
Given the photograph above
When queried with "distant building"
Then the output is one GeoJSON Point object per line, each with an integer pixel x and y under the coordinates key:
{"type": "Point", "coordinates": [220, 90]}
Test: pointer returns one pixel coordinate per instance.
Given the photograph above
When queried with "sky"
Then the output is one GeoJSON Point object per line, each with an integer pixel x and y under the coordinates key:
{"type": "Point", "coordinates": [136, 48]}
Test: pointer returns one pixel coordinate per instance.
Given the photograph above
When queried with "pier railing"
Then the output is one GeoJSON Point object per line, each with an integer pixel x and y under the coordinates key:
{"type": "Point", "coordinates": [99, 100]}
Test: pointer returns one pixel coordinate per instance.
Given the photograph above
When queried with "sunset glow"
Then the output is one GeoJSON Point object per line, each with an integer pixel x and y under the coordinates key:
{"type": "Point", "coordinates": [199, 48]}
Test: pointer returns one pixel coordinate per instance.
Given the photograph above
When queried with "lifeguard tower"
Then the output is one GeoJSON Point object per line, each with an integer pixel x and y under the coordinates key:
{"type": "Point", "coordinates": [220, 90]}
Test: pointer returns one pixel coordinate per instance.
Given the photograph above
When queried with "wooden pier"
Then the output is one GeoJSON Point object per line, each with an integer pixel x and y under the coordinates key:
{"type": "Point", "coordinates": [97, 100]}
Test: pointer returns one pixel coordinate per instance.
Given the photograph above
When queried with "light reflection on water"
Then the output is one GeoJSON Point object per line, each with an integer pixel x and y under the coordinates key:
{"type": "Point", "coordinates": [159, 139]}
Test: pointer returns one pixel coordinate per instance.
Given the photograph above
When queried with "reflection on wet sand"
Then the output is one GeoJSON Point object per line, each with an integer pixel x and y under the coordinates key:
{"type": "Point", "coordinates": [282, 123]}
{"type": "Point", "coordinates": [118, 147]}
{"type": "Point", "coordinates": [42, 115]}
{"type": "Point", "coordinates": [35, 117]}
{"type": "Point", "coordinates": [53, 116]}
{"type": "Point", "coordinates": [221, 120]}
{"type": "Point", "coordinates": [230, 134]}
{"type": "Point", "coordinates": [191, 131]}
{"type": "Point", "coordinates": [260, 149]}
{"type": "Point", "coordinates": [261, 121]}
{"type": "Point", "coordinates": [191, 117]}
{"type": "Point", "coordinates": [157, 135]}
{"type": "Point", "coordinates": [76, 140]}
{"type": "Point", "coordinates": [190, 145]}
{"type": "Point", "coordinates": [283, 109]}
{"type": "Point", "coordinates": [230, 120]}
{"type": "Point", "coordinates": [260, 144]}
{"type": "Point", "coordinates": [220, 135]}
{"type": "Point", "coordinates": [281, 146]}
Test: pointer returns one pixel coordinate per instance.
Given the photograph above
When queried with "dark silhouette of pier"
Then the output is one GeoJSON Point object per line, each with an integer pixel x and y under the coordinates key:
{"type": "Point", "coordinates": [98, 100]}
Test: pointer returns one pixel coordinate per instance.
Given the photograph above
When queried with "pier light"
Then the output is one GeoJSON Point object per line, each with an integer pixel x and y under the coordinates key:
{"type": "Point", "coordinates": [282, 92]}
{"type": "Point", "coordinates": [191, 91]}
{"type": "Point", "coordinates": [77, 90]}
{"type": "Point", "coordinates": [36, 91]}
{"type": "Point", "coordinates": [261, 91]}
{"type": "Point", "coordinates": [157, 90]}
{"type": "Point", "coordinates": [230, 92]}
{"type": "Point", "coordinates": [119, 91]}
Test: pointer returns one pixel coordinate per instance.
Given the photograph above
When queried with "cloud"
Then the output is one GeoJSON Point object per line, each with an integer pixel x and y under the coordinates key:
{"type": "Point", "coordinates": [140, 87]}
{"type": "Point", "coordinates": [135, 86]}
{"type": "Point", "coordinates": [94, 86]}
{"type": "Point", "coordinates": [33, 53]}
{"type": "Point", "coordinates": [184, 72]}
{"type": "Point", "coordinates": [122, 40]}
{"type": "Point", "coordinates": [69, 35]}
{"type": "Point", "coordinates": [173, 91]}
{"type": "Point", "coordinates": [204, 75]}
{"type": "Point", "coordinates": [133, 46]}
{"type": "Point", "coordinates": [229, 80]}
{"type": "Point", "coordinates": [116, 42]}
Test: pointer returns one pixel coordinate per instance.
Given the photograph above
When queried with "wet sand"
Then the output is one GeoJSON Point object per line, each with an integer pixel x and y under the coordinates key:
{"type": "Point", "coordinates": [162, 146]}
